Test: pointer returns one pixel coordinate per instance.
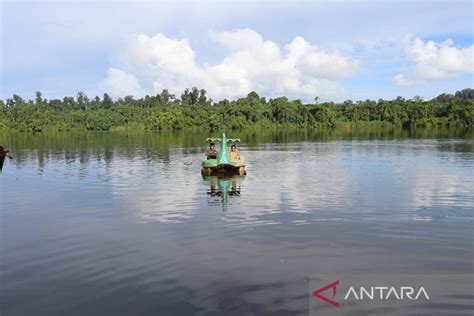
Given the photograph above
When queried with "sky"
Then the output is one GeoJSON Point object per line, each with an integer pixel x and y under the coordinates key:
{"type": "Point", "coordinates": [335, 50]}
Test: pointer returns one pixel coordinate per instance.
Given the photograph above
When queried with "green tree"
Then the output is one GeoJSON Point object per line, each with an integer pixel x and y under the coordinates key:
{"type": "Point", "coordinates": [107, 101]}
{"type": "Point", "coordinates": [39, 98]}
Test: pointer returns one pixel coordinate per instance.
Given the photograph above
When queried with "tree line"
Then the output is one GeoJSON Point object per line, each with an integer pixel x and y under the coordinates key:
{"type": "Point", "coordinates": [193, 109]}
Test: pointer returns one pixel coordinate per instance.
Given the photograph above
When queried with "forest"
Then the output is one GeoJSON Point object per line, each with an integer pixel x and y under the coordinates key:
{"type": "Point", "coordinates": [194, 110]}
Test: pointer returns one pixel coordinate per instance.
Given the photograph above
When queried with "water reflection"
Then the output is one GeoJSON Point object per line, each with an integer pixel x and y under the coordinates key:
{"type": "Point", "coordinates": [116, 222]}
{"type": "Point", "coordinates": [221, 187]}
{"type": "Point", "coordinates": [87, 147]}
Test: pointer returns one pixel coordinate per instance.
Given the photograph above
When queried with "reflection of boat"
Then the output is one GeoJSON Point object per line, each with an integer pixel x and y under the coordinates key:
{"type": "Point", "coordinates": [224, 185]}
{"type": "Point", "coordinates": [223, 162]}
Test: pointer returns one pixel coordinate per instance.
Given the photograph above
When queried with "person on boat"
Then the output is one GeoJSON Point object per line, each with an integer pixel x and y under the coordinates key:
{"type": "Point", "coordinates": [212, 153]}
{"type": "Point", "coordinates": [234, 154]}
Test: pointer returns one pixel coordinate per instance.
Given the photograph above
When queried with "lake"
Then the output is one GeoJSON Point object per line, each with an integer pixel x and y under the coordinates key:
{"type": "Point", "coordinates": [124, 223]}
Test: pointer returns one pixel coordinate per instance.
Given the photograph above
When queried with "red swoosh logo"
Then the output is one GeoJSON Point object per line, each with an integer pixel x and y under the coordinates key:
{"type": "Point", "coordinates": [332, 285]}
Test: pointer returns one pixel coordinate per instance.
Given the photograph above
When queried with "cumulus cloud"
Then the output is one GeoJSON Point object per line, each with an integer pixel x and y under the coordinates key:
{"type": "Point", "coordinates": [434, 60]}
{"type": "Point", "coordinates": [121, 83]}
{"type": "Point", "coordinates": [299, 69]}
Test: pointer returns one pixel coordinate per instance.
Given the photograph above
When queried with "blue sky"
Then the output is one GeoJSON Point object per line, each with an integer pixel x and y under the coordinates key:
{"type": "Point", "coordinates": [333, 49]}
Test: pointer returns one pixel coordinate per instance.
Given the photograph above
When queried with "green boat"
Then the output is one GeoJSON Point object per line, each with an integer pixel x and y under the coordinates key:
{"type": "Point", "coordinates": [223, 162]}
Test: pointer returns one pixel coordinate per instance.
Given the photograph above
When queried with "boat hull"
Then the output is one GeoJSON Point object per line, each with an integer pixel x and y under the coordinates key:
{"type": "Point", "coordinates": [224, 167]}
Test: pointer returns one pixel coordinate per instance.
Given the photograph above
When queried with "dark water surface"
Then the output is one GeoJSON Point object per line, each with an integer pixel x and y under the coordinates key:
{"type": "Point", "coordinates": [124, 223]}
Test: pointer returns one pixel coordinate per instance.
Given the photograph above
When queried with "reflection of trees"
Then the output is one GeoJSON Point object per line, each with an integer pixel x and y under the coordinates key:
{"type": "Point", "coordinates": [85, 146]}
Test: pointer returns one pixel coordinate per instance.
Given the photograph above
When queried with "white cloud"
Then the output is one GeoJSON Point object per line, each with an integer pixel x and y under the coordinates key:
{"type": "Point", "coordinates": [300, 70]}
{"type": "Point", "coordinates": [314, 62]}
{"type": "Point", "coordinates": [121, 83]}
{"type": "Point", "coordinates": [434, 60]}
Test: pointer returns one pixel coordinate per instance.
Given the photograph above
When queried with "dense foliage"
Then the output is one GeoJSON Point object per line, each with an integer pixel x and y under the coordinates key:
{"type": "Point", "coordinates": [194, 110]}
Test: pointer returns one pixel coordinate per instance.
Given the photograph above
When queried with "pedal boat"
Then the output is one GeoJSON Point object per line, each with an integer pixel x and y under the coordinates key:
{"type": "Point", "coordinates": [223, 163]}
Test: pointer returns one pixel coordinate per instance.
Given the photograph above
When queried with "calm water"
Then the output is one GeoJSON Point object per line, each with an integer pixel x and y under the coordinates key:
{"type": "Point", "coordinates": [124, 223]}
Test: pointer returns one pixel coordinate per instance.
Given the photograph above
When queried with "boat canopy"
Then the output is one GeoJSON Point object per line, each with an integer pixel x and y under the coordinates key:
{"type": "Point", "coordinates": [223, 139]}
